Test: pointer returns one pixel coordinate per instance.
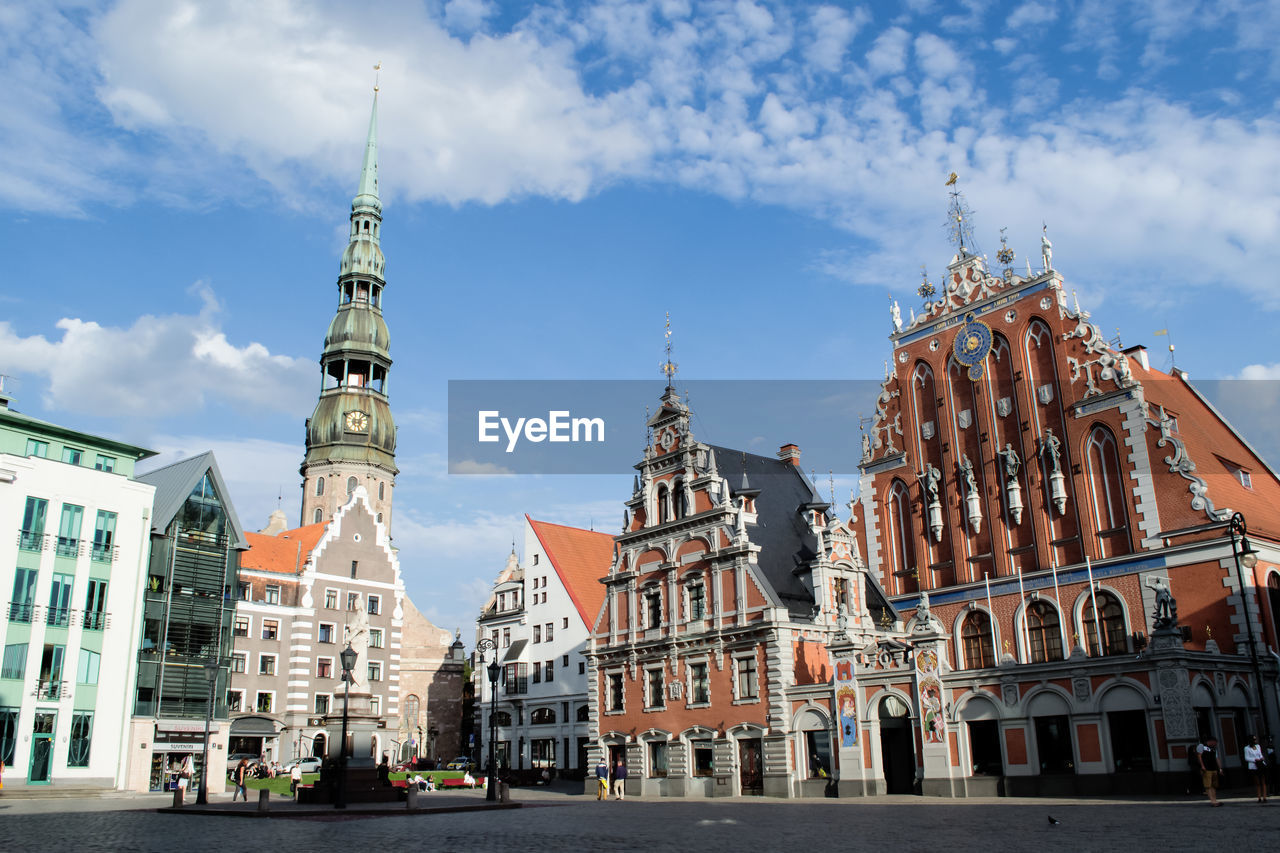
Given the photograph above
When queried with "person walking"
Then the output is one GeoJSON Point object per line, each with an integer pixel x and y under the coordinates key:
{"type": "Point", "coordinates": [1257, 764]}
{"type": "Point", "coordinates": [602, 779]}
{"type": "Point", "coordinates": [239, 776]}
{"type": "Point", "coordinates": [295, 778]}
{"type": "Point", "coordinates": [1207, 755]}
{"type": "Point", "coordinates": [619, 780]}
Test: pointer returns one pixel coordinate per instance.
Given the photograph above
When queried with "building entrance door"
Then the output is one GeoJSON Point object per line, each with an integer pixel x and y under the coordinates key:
{"type": "Point", "coordinates": [897, 747]}
{"type": "Point", "coordinates": [750, 771]}
{"type": "Point", "coordinates": [41, 750]}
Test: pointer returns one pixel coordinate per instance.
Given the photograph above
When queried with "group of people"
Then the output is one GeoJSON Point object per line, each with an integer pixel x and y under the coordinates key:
{"type": "Point", "coordinates": [242, 773]}
{"type": "Point", "coordinates": [619, 780]}
{"type": "Point", "coordinates": [1257, 761]}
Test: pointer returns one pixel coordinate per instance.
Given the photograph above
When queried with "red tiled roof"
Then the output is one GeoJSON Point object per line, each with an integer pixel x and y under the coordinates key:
{"type": "Point", "coordinates": [581, 558]}
{"type": "Point", "coordinates": [283, 553]}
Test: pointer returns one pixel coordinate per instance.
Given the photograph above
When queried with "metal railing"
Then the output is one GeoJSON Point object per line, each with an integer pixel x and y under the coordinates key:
{"type": "Point", "coordinates": [103, 553]}
{"type": "Point", "coordinates": [49, 689]}
{"type": "Point", "coordinates": [21, 612]}
{"type": "Point", "coordinates": [30, 540]}
{"type": "Point", "coordinates": [95, 620]}
{"type": "Point", "coordinates": [68, 547]}
{"type": "Point", "coordinates": [58, 616]}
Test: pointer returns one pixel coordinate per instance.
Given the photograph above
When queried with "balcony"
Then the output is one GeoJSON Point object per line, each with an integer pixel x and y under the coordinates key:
{"type": "Point", "coordinates": [59, 617]}
{"type": "Point", "coordinates": [49, 689]}
{"type": "Point", "coordinates": [103, 553]}
{"type": "Point", "coordinates": [30, 540]}
{"type": "Point", "coordinates": [68, 547]}
{"type": "Point", "coordinates": [95, 620]}
{"type": "Point", "coordinates": [21, 612]}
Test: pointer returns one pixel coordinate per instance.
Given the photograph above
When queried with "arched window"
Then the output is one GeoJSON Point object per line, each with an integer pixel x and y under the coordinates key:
{"type": "Point", "coordinates": [351, 484]}
{"type": "Point", "coordinates": [979, 647]}
{"type": "Point", "coordinates": [502, 718]}
{"type": "Point", "coordinates": [317, 745]}
{"type": "Point", "coordinates": [664, 509]}
{"type": "Point", "coordinates": [1106, 488]}
{"type": "Point", "coordinates": [379, 518]}
{"type": "Point", "coordinates": [678, 501]}
{"type": "Point", "coordinates": [903, 544]}
{"type": "Point", "coordinates": [319, 486]}
{"type": "Point", "coordinates": [1044, 632]}
{"type": "Point", "coordinates": [1110, 620]}
{"type": "Point", "coordinates": [584, 713]}
{"type": "Point", "coordinates": [411, 711]}
{"type": "Point", "coordinates": [319, 516]}
{"type": "Point", "coordinates": [382, 491]}
{"type": "Point", "coordinates": [542, 717]}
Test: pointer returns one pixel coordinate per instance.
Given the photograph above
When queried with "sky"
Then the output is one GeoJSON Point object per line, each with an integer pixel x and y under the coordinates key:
{"type": "Point", "coordinates": [557, 177]}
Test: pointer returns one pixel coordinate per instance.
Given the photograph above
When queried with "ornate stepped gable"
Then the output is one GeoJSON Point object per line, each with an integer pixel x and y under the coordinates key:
{"type": "Point", "coordinates": [1009, 436]}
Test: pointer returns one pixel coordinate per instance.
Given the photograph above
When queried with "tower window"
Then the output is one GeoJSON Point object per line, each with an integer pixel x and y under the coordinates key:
{"type": "Point", "coordinates": [319, 486]}
{"type": "Point", "coordinates": [379, 518]}
{"type": "Point", "coordinates": [355, 565]}
{"type": "Point", "coordinates": [382, 491]}
{"type": "Point", "coordinates": [366, 226]}
{"type": "Point", "coordinates": [319, 516]}
{"type": "Point", "coordinates": [351, 484]}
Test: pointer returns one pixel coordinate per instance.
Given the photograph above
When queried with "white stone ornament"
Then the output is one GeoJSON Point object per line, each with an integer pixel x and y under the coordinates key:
{"type": "Point", "coordinates": [1004, 406]}
{"type": "Point", "coordinates": [1045, 394]}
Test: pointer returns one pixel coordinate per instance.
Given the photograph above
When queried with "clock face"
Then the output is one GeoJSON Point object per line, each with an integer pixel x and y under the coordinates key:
{"type": "Point", "coordinates": [357, 421]}
{"type": "Point", "coordinates": [972, 345]}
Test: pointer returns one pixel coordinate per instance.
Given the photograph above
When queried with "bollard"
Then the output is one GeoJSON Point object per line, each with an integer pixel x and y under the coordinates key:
{"type": "Point", "coordinates": [504, 792]}
{"type": "Point", "coordinates": [264, 800]}
{"type": "Point", "coordinates": [177, 796]}
{"type": "Point", "coordinates": [411, 796]}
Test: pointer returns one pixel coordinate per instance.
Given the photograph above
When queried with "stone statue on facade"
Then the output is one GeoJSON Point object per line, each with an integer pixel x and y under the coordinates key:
{"type": "Point", "coordinates": [1165, 615]}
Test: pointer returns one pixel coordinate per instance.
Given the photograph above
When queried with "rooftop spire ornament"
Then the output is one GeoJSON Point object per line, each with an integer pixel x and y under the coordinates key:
{"type": "Point", "coordinates": [958, 217]}
{"type": "Point", "coordinates": [1005, 256]}
{"type": "Point", "coordinates": [926, 288]}
{"type": "Point", "coordinates": [377, 73]}
{"type": "Point", "coordinates": [669, 367]}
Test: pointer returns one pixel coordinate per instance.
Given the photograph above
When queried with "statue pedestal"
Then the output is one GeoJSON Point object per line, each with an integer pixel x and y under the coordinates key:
{"type": "Point", "coordinates": [362, 725]}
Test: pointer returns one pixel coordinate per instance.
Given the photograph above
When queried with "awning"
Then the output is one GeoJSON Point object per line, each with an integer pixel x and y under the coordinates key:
{"type": "Point", "coordinates": [253, 727]}
{"type": "Point", "coordinates": [517, 647]}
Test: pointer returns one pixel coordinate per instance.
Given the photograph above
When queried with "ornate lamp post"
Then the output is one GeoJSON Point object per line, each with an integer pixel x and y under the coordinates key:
{"type": "Point", "coordinates": [211, 669]}
{"type": "Point", "coordinates": [1247, 558]}
{"type": "Point", "coordinates": [348, 657]}
{"type": "Point", "coordinates": [494, 670]}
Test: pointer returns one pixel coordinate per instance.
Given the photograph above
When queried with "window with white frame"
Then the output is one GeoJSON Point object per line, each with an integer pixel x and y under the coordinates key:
{"type": "Point", "coordinates": [615, 693]}
{"type": "Point", "coordinates": [241, 627]}
{"type": "Point", "coordinates": [265, 701]}
{"type": "Point", "coordinates": [270, 629]}
{"type": "Point", "coordinates": [330, 599]}
{"type": "Point", "coordinates": [238, 662]}
{"type": "Point", "coordinates": [697, 595]}
{"type": "Point", "coordinates": [658, 759]}
{"type": "Point", "coordinates": [375, 670]}
{"type": "Point", "coordinates": [375, 706]}
{"type": "Point", "coordinates": [322, 703]}
{"type": "Point", "coordinates": [655, 692]}
{"type": "Point", "coordinates": [748, 679]}
{"type": "Point", "coordinates": [653, 609]}
{"type": "Point", "coordinates": [375, 605]}
{"type": "Point", "coordinates": [235, 701]}
{"type": "Point", "coordinates": [326, 632]}
{"type": "Point", "coordinates": [699, 684]}
{"type": "Point", "coordinates": [272, 593]}
{"type": "Point", "coordinates": [324, 667]}
{"type": "Point", "coordinates": [266, 664]}
{"type": "Point", "coordinates": [375, 638]}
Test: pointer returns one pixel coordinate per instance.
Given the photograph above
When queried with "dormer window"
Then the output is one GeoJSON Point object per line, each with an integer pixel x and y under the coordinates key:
{"type": "Point", "coordinates": [1242, 475]}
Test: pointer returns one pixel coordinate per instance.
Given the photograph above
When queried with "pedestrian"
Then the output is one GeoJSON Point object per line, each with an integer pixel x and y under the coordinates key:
{"type": "Point", "coordinates": [240, 776]}
{"type": "Point", "coordinates": [619, 780]}
{"type": "Point", "coordinates": [295, 778]}
{"type": "Point", "coordinates": [1207, 755]}
{"type": "Point", "coordinates": [384, 771]}
{"type": "Point", "coordinates": [184, 774]}
{"type": "Point", "coordinates": [1257, 763]}
{"type": "Point", "coordinates": [602, 779]}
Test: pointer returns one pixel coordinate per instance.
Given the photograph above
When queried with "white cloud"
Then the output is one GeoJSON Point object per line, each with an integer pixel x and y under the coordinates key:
{"type": "Point", "coordinates": [888, 55]}
{"type": "Point", "coordinates": [467, 15]}
{"type": "Point", "coordinates": [160, 365]}
{"type": "Point", "coordinates": [1261, 371]}
{"type": "Point", "coordinates": [1031, 14]}
{"type": "Point", "coordinates": [832, 29]}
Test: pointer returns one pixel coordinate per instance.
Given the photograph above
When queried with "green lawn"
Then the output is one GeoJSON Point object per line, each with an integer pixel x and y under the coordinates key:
{"type": "Point", "coordinates": [280, 785]}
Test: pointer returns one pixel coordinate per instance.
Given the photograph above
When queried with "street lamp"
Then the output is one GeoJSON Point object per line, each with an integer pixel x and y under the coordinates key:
{"type": "Point", "coordinates": [1247, 558]}
{"type": "Point", "coordinates": [211, 668]}
{"type": "Point", "coordinates": [348, 657]}
{"type": "Point", "coordinates": [494, 669]}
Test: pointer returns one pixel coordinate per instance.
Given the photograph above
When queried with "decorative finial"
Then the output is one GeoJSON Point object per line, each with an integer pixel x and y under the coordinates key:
{"type": "Point", "coordinates": [1208, 631]}
{"type": "Point", "coordinates": [1005, 256]}
{"type": "Point", "coordinates": [668, 367]}
{"type": "Point", "coordinates": [1046, 248]}
{"type": "Point", "coordinates": [926, 288]}
{"type": "Point", "coordinates": [831, 487]}
{"type": "Point", "coordinates": [377, 73]}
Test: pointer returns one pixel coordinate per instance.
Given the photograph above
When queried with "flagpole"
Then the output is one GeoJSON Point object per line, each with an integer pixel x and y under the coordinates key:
{"type": "Point", "coordinates": [991, 614]}
{"type": "Point", "coordinates": [1024, 645]}
{"type": "Point", "coordinates": [1057, 596]}
{"type": "Point", "coordinates": [1093, 599]}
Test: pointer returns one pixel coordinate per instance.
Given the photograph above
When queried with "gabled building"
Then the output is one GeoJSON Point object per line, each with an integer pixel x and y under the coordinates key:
{"type": "Point", "coordinates": [709, 670]}
{"type": "Point", "coordinates": [186, 619]}
{"type": "Point", "coordinates": [538, 618]}
{"type": "Point", "coordinates": [74, 560]}
{"type": "Point", "coordinates": [1060, 516]}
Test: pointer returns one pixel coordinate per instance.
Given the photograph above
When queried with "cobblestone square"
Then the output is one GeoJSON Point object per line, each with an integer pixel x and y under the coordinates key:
{"type": "Point", "coordinates": [555, 821]}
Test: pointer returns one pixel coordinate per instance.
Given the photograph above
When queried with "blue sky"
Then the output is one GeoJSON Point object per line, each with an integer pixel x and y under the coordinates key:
{"type": "Point", "coordinates": [556, 177]}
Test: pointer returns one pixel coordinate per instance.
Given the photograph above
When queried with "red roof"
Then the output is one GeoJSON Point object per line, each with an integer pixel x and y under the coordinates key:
{"type": "Point", "coordinates": [283, 553]}
{"type": "Point", "coordinates": [581, 558]}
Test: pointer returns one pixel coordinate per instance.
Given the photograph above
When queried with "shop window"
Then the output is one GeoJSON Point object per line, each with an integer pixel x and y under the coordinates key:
{"type": "Point", "coordinates": [1053, 745]}
{"type": "Point", "coordinates": [703, 757]}
{"type": "Point", "coordinates": [658, 759]}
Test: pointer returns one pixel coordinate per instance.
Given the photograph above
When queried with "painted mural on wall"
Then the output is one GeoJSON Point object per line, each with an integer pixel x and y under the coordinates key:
{"type": "Point", "coordinates": [932, 719]}
{"type": "Point", "coordinates": [846, 704]}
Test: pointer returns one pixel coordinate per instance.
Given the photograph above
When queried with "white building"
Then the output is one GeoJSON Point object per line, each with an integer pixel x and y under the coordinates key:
{"type": "Point", "coordinates": [539, 619]}
{"type": "Point", "coordinates": [73, 560]}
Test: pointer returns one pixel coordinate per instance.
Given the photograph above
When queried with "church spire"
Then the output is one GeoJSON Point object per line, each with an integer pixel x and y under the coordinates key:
{"type": "Point", "coordinates": [367, 191]}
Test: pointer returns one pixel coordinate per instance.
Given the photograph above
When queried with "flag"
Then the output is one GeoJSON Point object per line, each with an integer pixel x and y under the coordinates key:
{"type": "Point", "coordinates": [1160, 332]}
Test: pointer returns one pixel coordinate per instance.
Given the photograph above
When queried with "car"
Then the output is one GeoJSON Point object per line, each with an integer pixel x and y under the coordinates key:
{"type": "Point", "coordinates": [233, 761]}
{"type": "Point", "coordinates": [461, 763]}
{"type": "Point", "coordinates": [310, 764]}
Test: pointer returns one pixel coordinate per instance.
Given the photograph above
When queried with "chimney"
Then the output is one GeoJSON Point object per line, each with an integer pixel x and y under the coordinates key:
{"type": "Point", "coordinates": [790, 453]}
{"type": "Point", "coordinates": [1138, 352]}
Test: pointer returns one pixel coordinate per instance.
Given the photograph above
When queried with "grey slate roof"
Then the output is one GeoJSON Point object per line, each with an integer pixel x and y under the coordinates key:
{"type": "Point", "coordinates": [785, 540]}
{"type": "Point", "coordinates": [173, 484]}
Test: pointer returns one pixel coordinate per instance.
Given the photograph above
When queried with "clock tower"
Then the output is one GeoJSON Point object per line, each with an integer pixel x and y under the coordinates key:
{"type": "Point", "coordinates": [351, 436]}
